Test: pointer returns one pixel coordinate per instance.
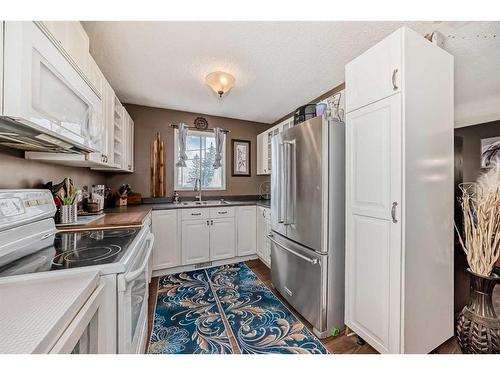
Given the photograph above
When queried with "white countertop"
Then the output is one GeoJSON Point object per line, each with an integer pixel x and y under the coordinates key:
{"type": "Point", "coordinates": [35, 311]}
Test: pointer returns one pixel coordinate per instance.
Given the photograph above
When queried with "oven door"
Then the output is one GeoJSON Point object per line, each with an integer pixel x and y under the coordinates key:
{"type": "Point", "coordinates": [133, 302]}
{"type": "Point", "coordinates": [43, 91]}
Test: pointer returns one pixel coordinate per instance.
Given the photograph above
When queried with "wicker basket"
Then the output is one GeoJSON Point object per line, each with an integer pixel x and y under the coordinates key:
{"type": "Point", "coordinates": [478, 328]}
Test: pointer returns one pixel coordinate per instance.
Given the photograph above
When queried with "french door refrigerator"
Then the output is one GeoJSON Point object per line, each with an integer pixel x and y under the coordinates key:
{"type": "Point", "coordinates": [307, 220]}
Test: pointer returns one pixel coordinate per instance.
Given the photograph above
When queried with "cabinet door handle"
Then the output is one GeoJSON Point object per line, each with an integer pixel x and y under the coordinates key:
{"type": "Point", "coordinates": [211, 222]}
{"type": "Point", "coordinates": [222, 212]}
{"type": "Point", "coordinates": [394, 85]}
{"type": "Point", "coordinates": [393, 212]}
{"type": "Point", "coordinates": [196, 214]}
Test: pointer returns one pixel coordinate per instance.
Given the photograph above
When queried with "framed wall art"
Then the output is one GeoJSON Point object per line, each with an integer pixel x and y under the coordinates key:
{"type": "Point", "coordinates": [490, 150]}
{"type": "Point", "coordinates": [241, 158]}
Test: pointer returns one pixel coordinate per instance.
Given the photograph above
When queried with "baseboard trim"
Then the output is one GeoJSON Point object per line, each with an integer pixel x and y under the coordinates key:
{"type": "Point", "coordinates": [192, 267]}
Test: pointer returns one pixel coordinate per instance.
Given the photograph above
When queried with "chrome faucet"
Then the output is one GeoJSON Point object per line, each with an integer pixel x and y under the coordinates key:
{"type": "Point", "coordinates": [197, 187]}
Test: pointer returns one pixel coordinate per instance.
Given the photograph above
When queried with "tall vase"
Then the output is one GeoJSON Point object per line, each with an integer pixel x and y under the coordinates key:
{"type": "Point", "coordinates": [478, 327]}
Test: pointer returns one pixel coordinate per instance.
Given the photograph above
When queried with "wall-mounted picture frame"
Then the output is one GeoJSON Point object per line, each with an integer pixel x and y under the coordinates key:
{"type": "Point", "coordinates": [241, 158]}
{"type": "Point", "coordinates": [490, 150]}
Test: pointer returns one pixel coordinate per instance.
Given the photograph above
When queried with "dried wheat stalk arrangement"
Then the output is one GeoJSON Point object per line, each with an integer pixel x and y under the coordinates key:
{"type": "Point", "coordinates": [481, 233]}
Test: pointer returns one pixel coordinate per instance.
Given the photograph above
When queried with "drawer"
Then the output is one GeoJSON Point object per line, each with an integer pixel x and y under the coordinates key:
{"type": "Point", "coordinates": [304, 293]}
{"type": "Point", "coordinates": [195, 213]}
{"type": "Point", "coordinates": [221, 212]}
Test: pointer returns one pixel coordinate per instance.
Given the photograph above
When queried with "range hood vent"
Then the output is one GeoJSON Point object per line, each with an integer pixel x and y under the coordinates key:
{"type": "Point", "coordinates": [15, 133]}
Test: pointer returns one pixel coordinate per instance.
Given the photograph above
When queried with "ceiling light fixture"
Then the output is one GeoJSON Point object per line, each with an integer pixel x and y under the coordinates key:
{"type": "Point", "coordinates": [220, 82]}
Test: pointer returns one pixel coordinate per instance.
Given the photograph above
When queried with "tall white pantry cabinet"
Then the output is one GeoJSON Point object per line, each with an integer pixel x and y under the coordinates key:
{"type": "Point", "coordinates": [399, 194]}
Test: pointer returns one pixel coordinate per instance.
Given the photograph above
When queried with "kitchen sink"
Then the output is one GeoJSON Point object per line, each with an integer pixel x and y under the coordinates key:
{"type": "Point", "coordinates": [205, 203]}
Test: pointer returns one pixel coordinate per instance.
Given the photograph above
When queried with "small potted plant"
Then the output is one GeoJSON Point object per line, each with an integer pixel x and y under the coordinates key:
{"type": "Point", "coordinates": [478, 328]}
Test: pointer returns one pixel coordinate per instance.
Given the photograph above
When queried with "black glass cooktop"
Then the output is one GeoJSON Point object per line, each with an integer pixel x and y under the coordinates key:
{"type": "Point", "coordinates": [75, 249]}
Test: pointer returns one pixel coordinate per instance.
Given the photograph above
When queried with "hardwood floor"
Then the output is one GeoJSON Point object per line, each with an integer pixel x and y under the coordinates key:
{"type": "Point", "coordinates": [342, 344]}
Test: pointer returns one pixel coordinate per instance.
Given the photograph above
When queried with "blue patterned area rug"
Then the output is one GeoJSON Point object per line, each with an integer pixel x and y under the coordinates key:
{"type": "Point", "coordinates": [224, 310]}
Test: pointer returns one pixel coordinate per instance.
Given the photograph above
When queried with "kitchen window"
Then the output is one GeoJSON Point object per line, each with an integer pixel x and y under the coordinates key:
{"type": "Point", "coordinates": [200, 150]}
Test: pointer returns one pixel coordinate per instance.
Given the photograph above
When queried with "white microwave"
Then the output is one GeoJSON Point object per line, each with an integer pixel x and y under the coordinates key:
{"type": "Point", "coordinates": [44, 92]}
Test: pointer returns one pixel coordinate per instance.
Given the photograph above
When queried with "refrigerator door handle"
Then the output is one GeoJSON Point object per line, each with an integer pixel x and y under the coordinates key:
{"type": "Point", "coordinates": [281, 178]}
{"type": "Point", "coordinates": [289, 156]}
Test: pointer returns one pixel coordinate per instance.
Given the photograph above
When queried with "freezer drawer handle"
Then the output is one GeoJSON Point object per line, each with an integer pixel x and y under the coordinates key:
{"type": "Point", "coordinates": [312, 261]}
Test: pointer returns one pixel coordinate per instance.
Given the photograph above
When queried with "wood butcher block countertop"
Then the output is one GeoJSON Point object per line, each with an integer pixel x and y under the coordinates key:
{"type": "Point", "coordinates": [117, 217]}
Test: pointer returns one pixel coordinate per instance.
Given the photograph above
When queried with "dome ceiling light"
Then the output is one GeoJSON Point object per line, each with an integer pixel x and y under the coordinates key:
{"type": "Point", "coordinates": [220, 82]}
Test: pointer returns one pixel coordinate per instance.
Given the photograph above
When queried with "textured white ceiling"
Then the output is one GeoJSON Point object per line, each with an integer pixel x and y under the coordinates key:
{"type": "Point", "coordinates": [278, 65]}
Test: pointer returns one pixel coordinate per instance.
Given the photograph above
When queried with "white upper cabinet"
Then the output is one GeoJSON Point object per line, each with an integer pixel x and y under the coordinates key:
{"type": "Point", "coordinates": [128, 142]}
{"type": "Point", "coordinates": [264, 141]}
{"type": "Point", "coordinates": [53, 85]}
{"type": "Point", "coordinates": [96, 77]}
{"type": "Point", "coordinates": [73, 39]}
{"type": "Point", "coordinates": [118, 133]}
{"type": "Point", "coordinates": [376, 74]}
{"type": "Point", "coordinates": [262, 153]}
{"type": "Point", "coordinates": [108, 100]}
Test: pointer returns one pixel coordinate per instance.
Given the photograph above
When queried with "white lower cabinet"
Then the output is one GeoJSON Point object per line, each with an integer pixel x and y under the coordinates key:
{"type": "Point", "coordinates": [195, 239]}
{"type": "Point", "coordinates": [222, 238]}
{"type": "Point", "coordinates": [263, 229]}
{"type": "Point", "coordinates": [166, 250]}
{"type": "Point", "coordinates": [247, 230]}
{"type": "Point", "coordinates": [185, 237]}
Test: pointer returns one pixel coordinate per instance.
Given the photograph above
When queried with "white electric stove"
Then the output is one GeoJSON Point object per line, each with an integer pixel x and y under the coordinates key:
{"type": "Point", "coordinates": [30, 244]}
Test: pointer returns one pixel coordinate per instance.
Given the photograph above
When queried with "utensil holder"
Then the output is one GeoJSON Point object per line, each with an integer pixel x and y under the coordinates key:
{"type": "Point", "coordinates": [67, 214]}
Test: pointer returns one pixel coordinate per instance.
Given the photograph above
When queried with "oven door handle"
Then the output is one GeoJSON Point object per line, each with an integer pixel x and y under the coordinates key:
{"type": "Point", "coordinates": [133, 275]}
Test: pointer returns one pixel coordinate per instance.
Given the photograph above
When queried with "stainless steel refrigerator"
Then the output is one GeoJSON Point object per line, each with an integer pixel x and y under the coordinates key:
{"type": "Point", "coordinates": [307, 218]}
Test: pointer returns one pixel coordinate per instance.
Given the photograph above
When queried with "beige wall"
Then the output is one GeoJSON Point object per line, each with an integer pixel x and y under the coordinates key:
{"type": "Point", "coordinates": [19, 173]}
{"type": "Point", "coordinates": [150, 120]}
